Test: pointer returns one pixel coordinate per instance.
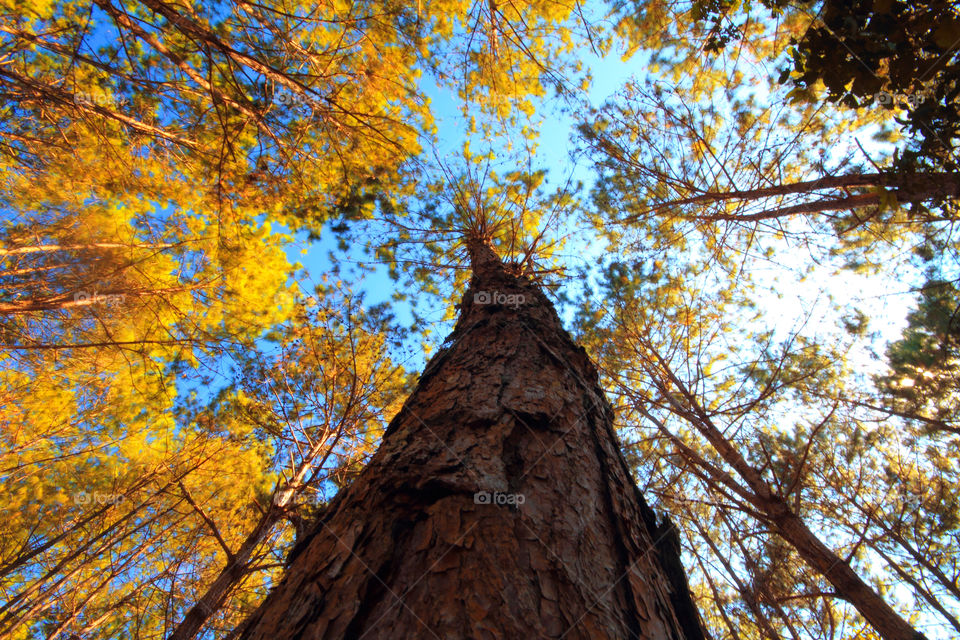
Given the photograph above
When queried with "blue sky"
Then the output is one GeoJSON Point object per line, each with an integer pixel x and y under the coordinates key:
{"type": "Point", "coordinates": [794, 299]}
{"type": "Point", "coordinates": [553, 153]}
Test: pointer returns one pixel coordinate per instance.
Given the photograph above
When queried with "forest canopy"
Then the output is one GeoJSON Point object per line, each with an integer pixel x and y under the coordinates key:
{"type": "Point", "coordinates": [233, 232]}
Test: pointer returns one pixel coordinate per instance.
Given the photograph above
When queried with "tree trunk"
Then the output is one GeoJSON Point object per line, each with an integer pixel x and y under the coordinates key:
{"type": "Point", "coordinates": [238, 565]}
{"type": "Point", "coordinates": [768, 501]}
{"type": "Point", "coordinates": [908, 188]}
{"type": "Point", "coordinates": [498, 505]}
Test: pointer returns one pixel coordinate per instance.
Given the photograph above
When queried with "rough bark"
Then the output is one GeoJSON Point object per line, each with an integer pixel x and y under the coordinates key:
{"type": "Point", "coordinates": [510, 406]}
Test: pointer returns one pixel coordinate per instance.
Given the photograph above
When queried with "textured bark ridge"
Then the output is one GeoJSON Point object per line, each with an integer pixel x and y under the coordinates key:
{"type": "Point", "coordinates": [498, 505]}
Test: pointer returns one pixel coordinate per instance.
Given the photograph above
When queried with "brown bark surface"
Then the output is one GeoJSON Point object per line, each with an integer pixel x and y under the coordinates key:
{"type": "Point", "coordinates": [510, 406]}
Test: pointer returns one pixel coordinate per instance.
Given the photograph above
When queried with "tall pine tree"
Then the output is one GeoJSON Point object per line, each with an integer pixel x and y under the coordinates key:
{"type": "Point", "coordinates": [498, 505]}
